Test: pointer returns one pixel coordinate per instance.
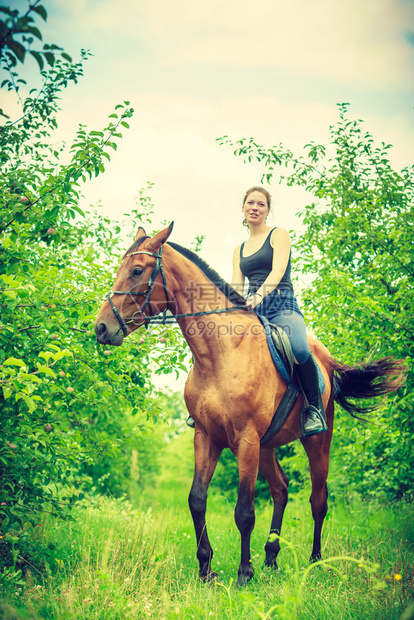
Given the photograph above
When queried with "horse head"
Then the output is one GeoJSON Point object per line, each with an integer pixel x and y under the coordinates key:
{"type": "Point", "coordinates": [139, 289]}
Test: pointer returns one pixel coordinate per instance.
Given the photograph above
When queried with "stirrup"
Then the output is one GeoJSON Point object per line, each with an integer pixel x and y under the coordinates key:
{"type": "Point", "coordinates": [312, 421]}
{"type": "Point", "coordinates": [190, 422]}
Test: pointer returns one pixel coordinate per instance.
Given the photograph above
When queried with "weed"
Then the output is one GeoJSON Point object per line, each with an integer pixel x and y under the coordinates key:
{"type": "Point", "coordinates": [115, 561]}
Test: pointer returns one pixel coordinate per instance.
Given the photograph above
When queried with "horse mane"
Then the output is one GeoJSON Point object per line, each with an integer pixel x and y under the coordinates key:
{"type": "Point", "coordinates": [211, 274]}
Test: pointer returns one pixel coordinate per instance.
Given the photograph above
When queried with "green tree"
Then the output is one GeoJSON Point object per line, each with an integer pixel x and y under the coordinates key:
{"type": "Point", "coordinates": [70, 410]}
{"type": "Point", "coordinates": [358, 248]}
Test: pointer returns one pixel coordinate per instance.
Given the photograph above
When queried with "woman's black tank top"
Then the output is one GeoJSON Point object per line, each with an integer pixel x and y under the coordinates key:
{"type": "Point", "coordinates": [257, 267]}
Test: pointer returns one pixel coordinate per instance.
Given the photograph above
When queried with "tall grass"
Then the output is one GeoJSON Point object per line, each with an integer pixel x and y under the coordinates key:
{"type": "Point", "coordinates": [118, 561]}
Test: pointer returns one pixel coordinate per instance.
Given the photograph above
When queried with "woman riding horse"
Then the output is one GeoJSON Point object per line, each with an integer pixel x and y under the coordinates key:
{"type": "Point", "coordinates": [265, 260]}
{"type": "Point", "coordinates": [233, 388]}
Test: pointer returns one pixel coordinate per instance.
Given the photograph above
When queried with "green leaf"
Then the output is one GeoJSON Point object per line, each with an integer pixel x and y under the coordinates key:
{"type": "Point", "coordinates": [7, 392]}
{"type": "Point", "coordinates": [18, 49]}
{"type": "Point", "coordinates": [47, 371]}
{"type": "Point", "coordinates": [13, 361]}
{"type": "Point", "coordinates": [60, 354]}
{"type": "Point", "coordinates": [29, 402]}
{"type": "Point", "coordinates": [29, 377]}
{"type": "Point", "coordinates": [78, 210]}
{"type": "Point", "coordinates": [50, 58]}
{"type": "Point", "coordinates": [41, 11]}
{"type": "Point", "coordinates": [11, 294]}
{"type": "Point", "coordinates": [38, 58]}
{"type": "Point", "coordinates": [8, 279]}
{"type": "Point", "coordinates": [35, 32]}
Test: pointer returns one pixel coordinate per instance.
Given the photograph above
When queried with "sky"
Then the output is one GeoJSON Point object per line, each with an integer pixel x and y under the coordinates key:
{"type": "Point", "coordinates": [197, 70]}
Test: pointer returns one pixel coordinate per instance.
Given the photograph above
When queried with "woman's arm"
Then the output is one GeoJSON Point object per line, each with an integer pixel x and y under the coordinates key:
{"type": "Point", "coordinates": [237, 279]}
{"type": "Point", "coordinates": [281, 251]}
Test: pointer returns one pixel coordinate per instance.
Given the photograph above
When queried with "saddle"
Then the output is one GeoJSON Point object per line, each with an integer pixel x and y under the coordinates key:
{"type": "Point", "coordinates": [282, 356]}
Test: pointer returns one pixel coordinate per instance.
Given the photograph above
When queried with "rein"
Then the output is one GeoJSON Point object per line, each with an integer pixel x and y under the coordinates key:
{"type": "Point", "coordinates": [164, 319]}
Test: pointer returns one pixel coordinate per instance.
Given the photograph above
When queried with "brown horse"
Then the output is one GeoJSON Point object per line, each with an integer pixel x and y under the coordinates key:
{"type": "Point", "coordinates": [233, 388]}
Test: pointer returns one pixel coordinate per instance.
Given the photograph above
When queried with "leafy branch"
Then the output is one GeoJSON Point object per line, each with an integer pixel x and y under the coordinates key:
{"type": "Point", "coordinates": [90, 151]}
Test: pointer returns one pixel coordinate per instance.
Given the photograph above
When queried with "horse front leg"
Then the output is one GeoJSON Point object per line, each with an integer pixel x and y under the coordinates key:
{"type": "Point", "coordinates": [248, 462]}
{"type": "Point", "coordinates": [206, 456]}
{"type": "Point", "coordinates": [278, 485]}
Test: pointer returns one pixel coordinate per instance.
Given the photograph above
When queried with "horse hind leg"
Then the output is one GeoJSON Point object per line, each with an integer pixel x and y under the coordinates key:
{"type": "Point", "coordinates": [317, 449]}
{"type": "Point", "coordinates": [319, 514]}
{"type": "Point", "coordinates": [206, 456]}
{"type": "Point", "coordinates": [278, 485]}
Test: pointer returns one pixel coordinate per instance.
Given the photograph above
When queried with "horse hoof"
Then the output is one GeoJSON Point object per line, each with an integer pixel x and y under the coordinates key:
{"type": "Point", "coordinates": [210, 577]}
{"type": "Point", "coordinates": [315, 558]}
{"type": "Point", "coordinates": [272, 564]}
{"type": "Point", "coordinates": [243, 579]}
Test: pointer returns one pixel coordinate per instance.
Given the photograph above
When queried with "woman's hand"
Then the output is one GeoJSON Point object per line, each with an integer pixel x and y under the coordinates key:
{"type": "Point", "coordinates": [254, 300]}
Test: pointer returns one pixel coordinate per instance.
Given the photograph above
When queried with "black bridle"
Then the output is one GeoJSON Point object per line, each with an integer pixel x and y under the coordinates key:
{"type": "Point", "coordinates": [147, 293]}
{"type": "Point", "coordinates": [154, 319]}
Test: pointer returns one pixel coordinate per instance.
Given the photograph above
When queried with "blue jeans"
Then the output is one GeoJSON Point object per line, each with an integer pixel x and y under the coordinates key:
{"type": "Point", "coordinates": [282, 310]}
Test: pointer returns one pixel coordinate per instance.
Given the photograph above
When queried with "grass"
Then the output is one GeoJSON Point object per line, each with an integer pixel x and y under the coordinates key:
{"type": "Point", "coordinates": [117, 561]}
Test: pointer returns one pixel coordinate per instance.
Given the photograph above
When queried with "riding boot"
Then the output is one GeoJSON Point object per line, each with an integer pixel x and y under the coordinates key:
{"type": "Point", "coordinates": [313, 419]}
{"type": "Point", "coordinates": [190, 422]}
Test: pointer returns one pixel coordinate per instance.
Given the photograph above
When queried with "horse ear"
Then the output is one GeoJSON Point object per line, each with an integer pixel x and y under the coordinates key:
{"type": "Point", "coordinates": [140, 233]}
{"type": "Point", "coordinates": [160, 238]}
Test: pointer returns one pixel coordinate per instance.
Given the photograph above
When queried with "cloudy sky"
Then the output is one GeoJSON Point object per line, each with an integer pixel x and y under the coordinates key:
{"type": "Point", "coordinates": [195, 70]}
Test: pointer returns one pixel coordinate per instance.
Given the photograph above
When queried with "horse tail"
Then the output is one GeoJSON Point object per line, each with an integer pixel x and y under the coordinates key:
{"type": "Point", "coordinates": [366, 381]}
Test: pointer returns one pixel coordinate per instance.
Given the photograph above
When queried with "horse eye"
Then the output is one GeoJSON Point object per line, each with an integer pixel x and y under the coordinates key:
{"type": "Point", "coordinates": [137, 271]}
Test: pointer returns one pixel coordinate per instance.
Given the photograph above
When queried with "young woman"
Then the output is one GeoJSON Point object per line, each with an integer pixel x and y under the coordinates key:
{"type": "Point", "coordinates": [264, 259]}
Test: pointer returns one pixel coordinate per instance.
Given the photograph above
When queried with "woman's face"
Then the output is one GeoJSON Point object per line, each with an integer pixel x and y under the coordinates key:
{"type": "Point", "coordinates": [255, 208]}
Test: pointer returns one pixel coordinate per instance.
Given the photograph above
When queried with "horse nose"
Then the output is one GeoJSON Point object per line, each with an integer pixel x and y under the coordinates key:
{"type": "Point", "coordinates": [101, 331]}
